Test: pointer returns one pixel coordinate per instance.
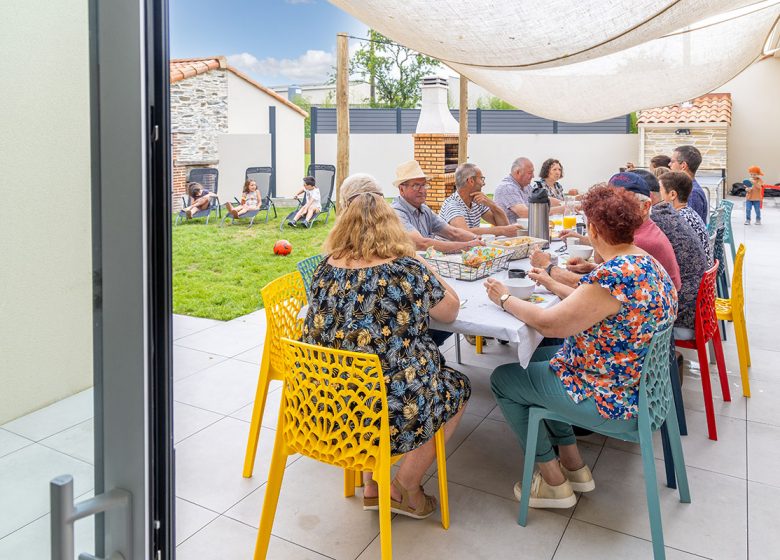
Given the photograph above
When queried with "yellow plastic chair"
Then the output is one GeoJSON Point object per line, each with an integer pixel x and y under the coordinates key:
{"type": "Point", "coordinates": [733, 309]}
{"type": "Point", "coordinates": [283, 300]}
{"type": "Point", "coordinates": [334, 410]}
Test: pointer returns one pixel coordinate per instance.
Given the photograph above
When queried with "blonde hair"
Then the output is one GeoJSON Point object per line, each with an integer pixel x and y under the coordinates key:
{"type": "Point", "coordinates": [368, 229]}
{"type": "Point", "coordinates": [658, 171]}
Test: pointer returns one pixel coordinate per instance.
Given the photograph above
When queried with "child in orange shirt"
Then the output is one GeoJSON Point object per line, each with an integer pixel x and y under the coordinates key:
{"type": "Point", "coordinates": [754, 194]}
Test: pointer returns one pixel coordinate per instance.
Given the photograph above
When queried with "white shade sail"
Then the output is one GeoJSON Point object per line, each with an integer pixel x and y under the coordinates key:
{"type": "Point", "coordinates": [593, 60]}
{"type": "Point", "coordinates": [528, 33]}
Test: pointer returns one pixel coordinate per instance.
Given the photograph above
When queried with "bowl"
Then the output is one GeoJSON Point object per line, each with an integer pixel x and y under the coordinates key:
{"type": "Point", "coordinates": [521, 288]}
{"type": "Point", "coordinates": [522, 222]}
{"type": "Point", "coordinates": [582, 251]}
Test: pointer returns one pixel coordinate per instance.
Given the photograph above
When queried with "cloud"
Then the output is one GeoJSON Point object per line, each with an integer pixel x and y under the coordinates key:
{"type": "Point", "coordinates": [311, 67]}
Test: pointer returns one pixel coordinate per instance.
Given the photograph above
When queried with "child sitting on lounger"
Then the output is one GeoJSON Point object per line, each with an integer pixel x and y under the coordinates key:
{"type": "Point", "coordinates": [250, 200]}
{"type": "Point", "coordinates": [312, 202]}
{"type": "Point", "coordinates": [199, 199]}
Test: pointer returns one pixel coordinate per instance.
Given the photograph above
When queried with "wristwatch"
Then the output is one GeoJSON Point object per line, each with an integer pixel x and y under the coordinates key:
{"type": "Point", "coordinates": [503, 298]}
{"type": "Point", "coordinates": [549, 268]}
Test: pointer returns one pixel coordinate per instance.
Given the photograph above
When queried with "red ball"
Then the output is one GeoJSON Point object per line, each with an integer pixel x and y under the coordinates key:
{"type": "Point", "coordinates": [282, 247]}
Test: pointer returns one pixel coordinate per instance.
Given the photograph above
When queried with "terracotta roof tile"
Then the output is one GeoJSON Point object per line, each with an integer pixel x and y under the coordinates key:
{"type": "Point", "coordinates": [710, 108]}
{"type": "Point", "coordinates": [188, 67]}
{"type": "Point", "coordinates": [183, 68]}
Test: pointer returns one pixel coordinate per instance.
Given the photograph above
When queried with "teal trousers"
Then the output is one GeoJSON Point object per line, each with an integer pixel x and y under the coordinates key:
{"type": "Point", "coordinates": [517, 389]}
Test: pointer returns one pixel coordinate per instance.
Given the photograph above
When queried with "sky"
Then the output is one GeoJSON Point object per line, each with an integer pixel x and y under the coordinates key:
{"type": "Point", "coordinates": [277, 42]}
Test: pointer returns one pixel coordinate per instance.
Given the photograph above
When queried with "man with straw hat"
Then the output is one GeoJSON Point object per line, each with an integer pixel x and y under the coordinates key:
{"type": "Point", "coordinates": [424, 227]}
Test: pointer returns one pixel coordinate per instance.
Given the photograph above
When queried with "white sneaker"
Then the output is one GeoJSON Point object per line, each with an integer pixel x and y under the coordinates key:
{"type": "Point", "coordinates": [548, 497]}
{"type": "Point", "coordinates": [581, 480]}
{"type": "Point", "coordinates": [747, 222]}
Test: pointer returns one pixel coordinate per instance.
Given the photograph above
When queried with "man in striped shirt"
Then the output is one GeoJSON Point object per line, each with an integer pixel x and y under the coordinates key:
{"type": "Point", "coordinates": [468, 205]}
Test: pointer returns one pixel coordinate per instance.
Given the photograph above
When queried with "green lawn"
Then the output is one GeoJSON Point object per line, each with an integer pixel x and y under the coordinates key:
{"type": "Point", "coordinates": [218, 272]}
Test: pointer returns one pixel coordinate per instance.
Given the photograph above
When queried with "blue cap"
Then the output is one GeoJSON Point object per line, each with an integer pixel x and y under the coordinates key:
{"type": "Point", "coordinates": [631, 182]}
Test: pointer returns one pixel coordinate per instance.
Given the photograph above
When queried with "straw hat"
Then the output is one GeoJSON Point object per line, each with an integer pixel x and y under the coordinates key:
{"type": "Point", "coordinates": [407, 171]}
{"type": "Point", "coordinates": [755, 170]}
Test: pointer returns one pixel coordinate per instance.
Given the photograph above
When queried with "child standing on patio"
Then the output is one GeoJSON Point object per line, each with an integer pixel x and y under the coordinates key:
{"type": "Point", "coordinates": [250, 200]}
{"type": "Point", "coordinates": [754, 195]}
{"type": "Point", "coordinates": [312, 204]}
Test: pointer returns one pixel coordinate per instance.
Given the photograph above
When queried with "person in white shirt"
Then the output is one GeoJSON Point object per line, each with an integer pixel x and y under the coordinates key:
{"type": "Point", "coordinates": [312, 202]}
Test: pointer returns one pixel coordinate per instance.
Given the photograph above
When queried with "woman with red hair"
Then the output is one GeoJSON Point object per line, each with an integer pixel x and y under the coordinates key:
{"type": "Point", "coordinates": [607, 323]}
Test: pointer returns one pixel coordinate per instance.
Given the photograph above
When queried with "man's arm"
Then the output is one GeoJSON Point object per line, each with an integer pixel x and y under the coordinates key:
{"type": "Point", "coordinates": [459, 222]}
{"type": "Point", "coordinates": [422, 243]}
{"type": "Point", "coordinates": [495, 214]}
{"type": "Point", "coordinates": [521, 210]}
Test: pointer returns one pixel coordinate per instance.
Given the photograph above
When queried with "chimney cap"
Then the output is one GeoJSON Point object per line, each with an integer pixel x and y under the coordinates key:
{"type": "Point", "coordinates": [434, 81]}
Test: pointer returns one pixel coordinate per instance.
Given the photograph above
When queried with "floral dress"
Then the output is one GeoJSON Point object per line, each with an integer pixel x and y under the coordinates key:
{"type": "Point", "coordinates": [384, 310]}
{"type": "Point", "coordinates": [604, 362]}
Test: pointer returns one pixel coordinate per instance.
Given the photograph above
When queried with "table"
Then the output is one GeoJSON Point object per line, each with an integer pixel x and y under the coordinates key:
{"type": "Point", "coordinates": [480, 316]}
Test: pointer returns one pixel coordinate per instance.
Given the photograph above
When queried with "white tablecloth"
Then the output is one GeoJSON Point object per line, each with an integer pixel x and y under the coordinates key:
{"type": "Point", "coordinates": [480, 316]}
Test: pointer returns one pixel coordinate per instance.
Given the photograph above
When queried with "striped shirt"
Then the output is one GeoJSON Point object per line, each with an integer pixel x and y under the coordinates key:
{"type": "Point", "coordinates": [454, 206]}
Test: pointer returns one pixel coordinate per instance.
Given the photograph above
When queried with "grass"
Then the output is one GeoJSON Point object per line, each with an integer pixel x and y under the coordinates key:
{"type": "Point", "coordinates": [218, 271]}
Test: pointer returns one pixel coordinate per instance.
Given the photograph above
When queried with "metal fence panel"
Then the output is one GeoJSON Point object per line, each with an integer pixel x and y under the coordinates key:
{"type": "Point", "coordinates": [404, 121]}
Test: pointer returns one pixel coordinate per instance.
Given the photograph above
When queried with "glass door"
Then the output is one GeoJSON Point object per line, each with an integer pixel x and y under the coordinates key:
{"type": "Point", "coordinates": [85, 314]}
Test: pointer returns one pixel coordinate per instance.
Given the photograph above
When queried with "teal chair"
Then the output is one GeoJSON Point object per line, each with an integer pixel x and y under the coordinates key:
{"type": "Point", "coordinates": [656, 407]}
{"type": "Point", "coordinates": [307, 267]}
{"type": "Point", "coordinates": [728, 206]}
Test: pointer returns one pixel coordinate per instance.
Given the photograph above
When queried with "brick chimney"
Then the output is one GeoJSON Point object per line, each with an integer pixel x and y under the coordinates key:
{"type": "Point", "coordinates": [436, 141]}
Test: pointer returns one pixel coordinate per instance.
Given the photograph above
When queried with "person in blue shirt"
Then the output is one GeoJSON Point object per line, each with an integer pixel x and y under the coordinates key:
{"type": "Point", "coordinates": [688, 159]}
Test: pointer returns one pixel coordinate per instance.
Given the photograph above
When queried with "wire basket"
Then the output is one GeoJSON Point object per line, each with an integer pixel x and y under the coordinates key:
{"type": "Point", "coordinates": [452, 266]}
{"type": "Point", "coordinates": [521, 248]}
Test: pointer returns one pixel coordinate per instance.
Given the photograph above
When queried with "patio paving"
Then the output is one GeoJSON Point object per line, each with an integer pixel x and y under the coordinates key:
{"type": "Point", "coordinates": [734, 483]}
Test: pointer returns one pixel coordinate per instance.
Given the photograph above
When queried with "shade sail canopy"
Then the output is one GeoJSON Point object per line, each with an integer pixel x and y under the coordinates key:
{"type": "Point", "coordinates": [586, 60]}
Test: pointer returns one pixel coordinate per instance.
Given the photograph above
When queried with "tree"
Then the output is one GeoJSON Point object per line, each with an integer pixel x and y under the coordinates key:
{"type": "Point", "coordinates": [494, 103]}
{"type": "Point", "coordinates": [304, 104]}
{"type": "Point", "coordinates": [393, 71]}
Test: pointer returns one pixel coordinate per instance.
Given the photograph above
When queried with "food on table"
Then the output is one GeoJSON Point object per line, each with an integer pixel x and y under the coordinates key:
{"type": "Point", "coordinates": [430, 253]}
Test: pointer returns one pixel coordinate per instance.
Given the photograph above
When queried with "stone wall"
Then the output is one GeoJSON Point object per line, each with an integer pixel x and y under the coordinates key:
{"type": "Point", "coordinates": [199, 114]}
{"type": "Point", "coordinates": [712, 142]}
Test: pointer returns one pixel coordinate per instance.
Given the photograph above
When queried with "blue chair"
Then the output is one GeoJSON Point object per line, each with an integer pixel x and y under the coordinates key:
{"type": "Point", "coordinates": [655, 409]}
{"type": "Point", "coordinates": [728, 237]}
{"type": "Point", "coordinates": [307, 267]}
{"type": "Point", "coordinates": [209, 178]}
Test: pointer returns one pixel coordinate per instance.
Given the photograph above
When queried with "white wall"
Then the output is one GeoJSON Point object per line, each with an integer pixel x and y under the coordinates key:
{"type": "Point", "coordinates": [237, 152]}
{"type": "Point", "coordinates": [754, 136]}
{"type": "Point", "coordinates": [377, 154]}
{"type": "Point", "coordinates": [289, 151]}
{"type": "Point", "coordinates": [247, 107]}
{"type": "Point", "coordinates": [46, 277]}
{"type": "Point", "coordinates": [248, 114]}
{"type": "Point", "coordinates": [586, 158]}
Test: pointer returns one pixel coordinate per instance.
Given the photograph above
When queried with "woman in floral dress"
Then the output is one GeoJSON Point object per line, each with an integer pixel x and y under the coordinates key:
{"type": "Point", "coordinates": [372, 294]}
{"type": "Point", "coordinates": [607, 323]}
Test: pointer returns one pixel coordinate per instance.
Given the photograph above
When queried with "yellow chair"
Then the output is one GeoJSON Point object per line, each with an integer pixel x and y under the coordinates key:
{"type": "Point", "coordinates": [283, 300]}
{"type": "Point", "coordinates": [334, 410]}
{"type": "Point", "coordinates": [733, 309]}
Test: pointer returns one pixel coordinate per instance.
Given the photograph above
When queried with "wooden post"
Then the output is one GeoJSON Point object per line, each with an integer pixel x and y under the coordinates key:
{"type": "Point", "coordinates": [342, 112]}
{"type": "Point", "coordinates": [463, 120]}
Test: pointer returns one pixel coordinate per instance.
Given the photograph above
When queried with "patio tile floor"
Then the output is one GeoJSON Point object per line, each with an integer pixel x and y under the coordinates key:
{"type": "Point", "coordinates": [734, 482]}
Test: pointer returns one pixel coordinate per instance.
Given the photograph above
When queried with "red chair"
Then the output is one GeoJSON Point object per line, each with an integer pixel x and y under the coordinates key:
{"type": "Point", "coordinates": [706, 329]}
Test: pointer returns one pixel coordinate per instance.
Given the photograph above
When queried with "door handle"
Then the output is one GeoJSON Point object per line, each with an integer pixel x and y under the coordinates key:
{"type": "Point", "coordinates": [64, 513]}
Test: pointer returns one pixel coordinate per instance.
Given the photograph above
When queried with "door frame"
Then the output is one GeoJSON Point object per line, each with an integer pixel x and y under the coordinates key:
{"type": "Point", "coordinates": [131, 272]}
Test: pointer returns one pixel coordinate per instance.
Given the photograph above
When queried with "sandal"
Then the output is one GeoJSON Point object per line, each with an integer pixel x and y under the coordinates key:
{"type": "Point", "coordinates": [403, 507]}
